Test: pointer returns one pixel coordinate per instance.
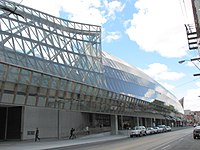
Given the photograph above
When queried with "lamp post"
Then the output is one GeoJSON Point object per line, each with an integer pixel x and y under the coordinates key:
{"type": "Point", "coordinates": [192, 60]}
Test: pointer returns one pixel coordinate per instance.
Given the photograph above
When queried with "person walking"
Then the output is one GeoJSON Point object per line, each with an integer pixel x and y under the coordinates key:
{"type": "Point", "coordinates": [87, 130]}
{"type": "Point", "coordinates": [72, 135]}
{"type": "Point", "coordinates": [37, 135]}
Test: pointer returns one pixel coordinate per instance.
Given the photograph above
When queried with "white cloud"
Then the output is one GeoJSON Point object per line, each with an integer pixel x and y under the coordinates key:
{"type": "Point", "coordinates": [113, 7]}
{"type": "Point", "coordinates": [192, 101]}
{"type": "Point", "coordinates": [160, 72]}
{"type": "Point", "coordinates": [112, 36]}
{"type": "Point", "coordinates": [198, 84]}
{"type": "Point", "coordinates": [159, 27]}
{"type": "Point", "coordinates": [95, 12]}
{"type": "Point", "coordinates": [49, 7]}
{"type": "Point", "coordinates": [167, 86]}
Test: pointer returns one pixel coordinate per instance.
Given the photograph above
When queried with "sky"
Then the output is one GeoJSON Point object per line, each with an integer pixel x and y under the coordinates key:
{"type": "Point", "coordinates": [147, 34]}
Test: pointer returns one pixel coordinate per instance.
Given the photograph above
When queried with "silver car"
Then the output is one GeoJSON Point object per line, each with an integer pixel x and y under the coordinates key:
{"type": "Point", "coordinates": [138, 131]}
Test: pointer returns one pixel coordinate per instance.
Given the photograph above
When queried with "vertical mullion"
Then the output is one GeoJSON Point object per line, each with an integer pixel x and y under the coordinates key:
{"type": "Point", "coordinates": [38, 89]}
{"type": "Point", "coordinates": [47, 93]}
{"type": "Point", "coordinates": [16, 84]}
{"type": "Point", "coordinates": [4, 80]}
{"type": "Point", "coordinates": [28, 87]}
{"type": "Point", "coordinates": [57, 91]}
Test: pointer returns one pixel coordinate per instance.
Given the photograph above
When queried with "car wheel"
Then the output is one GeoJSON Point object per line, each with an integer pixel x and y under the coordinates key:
{"type": "Point", "coordinates": [140, 133]}
{"type": "Point", "coordinates": [194, 137]}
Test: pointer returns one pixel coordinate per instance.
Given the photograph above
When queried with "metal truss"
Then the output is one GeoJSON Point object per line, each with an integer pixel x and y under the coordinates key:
{"type": "Point", "coordinates": [39, 41]}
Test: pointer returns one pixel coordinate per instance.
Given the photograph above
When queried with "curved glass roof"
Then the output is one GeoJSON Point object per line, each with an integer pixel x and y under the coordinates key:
{"type": "Point", "coordinates": [123, 78]}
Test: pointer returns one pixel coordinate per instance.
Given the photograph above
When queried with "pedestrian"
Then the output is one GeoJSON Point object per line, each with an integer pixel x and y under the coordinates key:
{"type": "Point", "coordinates": [37, 135]}
{"type": "Point", "coordinates": [87, 130]}
{"type": "Point", "coordinates": [72, 135]}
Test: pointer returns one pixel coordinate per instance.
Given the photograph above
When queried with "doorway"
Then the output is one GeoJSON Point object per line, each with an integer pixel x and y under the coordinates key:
{"type": "Point", "coordinates": [10, 123]}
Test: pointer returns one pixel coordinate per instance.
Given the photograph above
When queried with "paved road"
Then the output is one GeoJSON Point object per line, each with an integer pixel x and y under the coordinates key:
{"type": "Point", "coordinates": [177, 140]}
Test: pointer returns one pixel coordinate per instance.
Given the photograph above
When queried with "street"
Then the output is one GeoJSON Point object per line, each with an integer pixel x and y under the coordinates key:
{"type": "Point", "coordinates": [176, 140]}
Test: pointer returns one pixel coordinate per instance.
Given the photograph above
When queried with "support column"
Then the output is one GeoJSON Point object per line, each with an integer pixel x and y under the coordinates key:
{"type": "Point", "coordinates": [146, 122]}
{"type": "Point", "coordinates": [59, 124]}
{"type": "Point", "coordinates": [94, 123]}
{"type": "Point", "coordinates": [114, 124]}
{"type": "Point", "coordinates": [138, 121]}
{"type": "Point", "coordinates": [6, 124]}
{"type": "Point", "coordinates": [122, 122]}
{"type": "Point", "coordinates": [22, 123]}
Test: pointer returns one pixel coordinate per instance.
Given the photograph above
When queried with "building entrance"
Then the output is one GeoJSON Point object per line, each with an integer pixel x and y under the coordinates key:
{"type": "Point", "coordinates": [10, 123]}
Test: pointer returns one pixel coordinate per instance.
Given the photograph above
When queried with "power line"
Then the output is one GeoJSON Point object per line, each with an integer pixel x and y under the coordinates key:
{"type": "Point", "coordinates": [187, 82]}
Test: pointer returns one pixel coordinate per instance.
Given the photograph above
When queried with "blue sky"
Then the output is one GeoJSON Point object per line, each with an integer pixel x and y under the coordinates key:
{"type": "Point", "coordinates": [148, 34]}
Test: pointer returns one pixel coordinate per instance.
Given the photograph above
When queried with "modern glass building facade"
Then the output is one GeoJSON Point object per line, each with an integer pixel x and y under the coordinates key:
{"type": "Point", "coordinates": [126, 79]}
{"type": "Point", "coordinates": [54, 69]}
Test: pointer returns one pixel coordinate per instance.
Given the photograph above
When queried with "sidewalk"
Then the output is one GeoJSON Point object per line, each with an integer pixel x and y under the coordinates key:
{"type": "Point", "coordinates": [48, 144]}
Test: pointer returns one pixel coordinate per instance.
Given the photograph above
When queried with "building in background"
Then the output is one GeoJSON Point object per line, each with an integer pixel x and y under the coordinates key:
{"type": "Point", "coordinates": [192, 117]}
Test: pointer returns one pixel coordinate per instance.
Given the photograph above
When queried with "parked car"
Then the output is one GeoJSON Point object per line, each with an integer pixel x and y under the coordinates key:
{"type": "Point", "coordinates": [156, 129]}
{"type": "Point", "coordinates": [168, 128]}
{"type": "Point", "coordinates": [196, 132]}
{"type": "Point", "coordinates": [138, 131]}
{"type": "Point", "coordinates": [150, 130]}
{"type": "Point", "coordinates": [163, 127]}
{"type": "Point", "coordinates": [159, 130]}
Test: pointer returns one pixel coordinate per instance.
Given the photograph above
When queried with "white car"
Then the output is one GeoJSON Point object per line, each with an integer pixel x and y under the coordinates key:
{"type": "Point", "coordinates": [168, 128]}
{"type": "Point", "coordinates": [150, 130]}
{"type": "Point", "coordinates": [138, 131]}
{"type": "Point", "coordinates": [159, 130]}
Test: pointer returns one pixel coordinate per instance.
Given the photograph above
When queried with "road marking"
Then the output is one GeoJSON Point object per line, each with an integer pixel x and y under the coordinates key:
{"type": "Point", "coordinates": [181, 139]}
{"type": "Point", "coordinates": [166, 147]}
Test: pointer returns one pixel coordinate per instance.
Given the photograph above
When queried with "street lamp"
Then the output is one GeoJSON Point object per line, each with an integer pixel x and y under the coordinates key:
{"type": "Point", "coordinates": [197, 74]}
{"type": "Point", "coordinates": [192, 60]}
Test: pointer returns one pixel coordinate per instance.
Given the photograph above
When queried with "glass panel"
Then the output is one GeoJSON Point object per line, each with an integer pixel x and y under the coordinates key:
{"type": "Point", "coordinates": [36, 79]}
{"type": "Point", "coordinates": [54, 83]}
{"type": "Point", "coordinates": [22, 89]}
{"type": "Point", "coordinates": [33, 91]}
{"type": "Point", "coordinates": [25, 76]}
{"type": "Point", "coordinates": [7, 97]}
{"type": "Point", "coordinates": [41, 101]}
{"type": "Point", "coordinates": [68, 95]}
{"type": "Point", "coordinates": [42, 91]}
{"type": "Point", "coordinates": [31, 100]}
{"type": "Point", "coordinates": [67, 105]}
{"type": "Point", "coordinates": [52, 93]}
{"type": "Point", "coordinates": [61, 94]}
{"type": "Point", "coordinates": [63, 84]}
{"type": "Point", "coordinates": [13, 74]}
{"type": "Point", "coordinates": [77, 89]}
{"type": "Point", "coordinates": [2, 71]}
{"type": "Point", "coordinates": [45, 80]}
{"type": "Point", "coordinates": [9, 86]}
{"type": "Point", "coordinates": [83, 89]}
{"type": "Point", "coordinates": [20, 99]}
{"type": "Point", "coordinates": [95, 91]}
{"type": "Point", "coordinates": [109, 95]}
{"type": "Point", "coordinates": [70, 86]}
{"type": "Point", "coordinates": [100, 93]}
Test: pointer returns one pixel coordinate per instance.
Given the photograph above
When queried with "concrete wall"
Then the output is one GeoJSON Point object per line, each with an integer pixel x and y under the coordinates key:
{"type": "Point", "coordinates": [51, 123]}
